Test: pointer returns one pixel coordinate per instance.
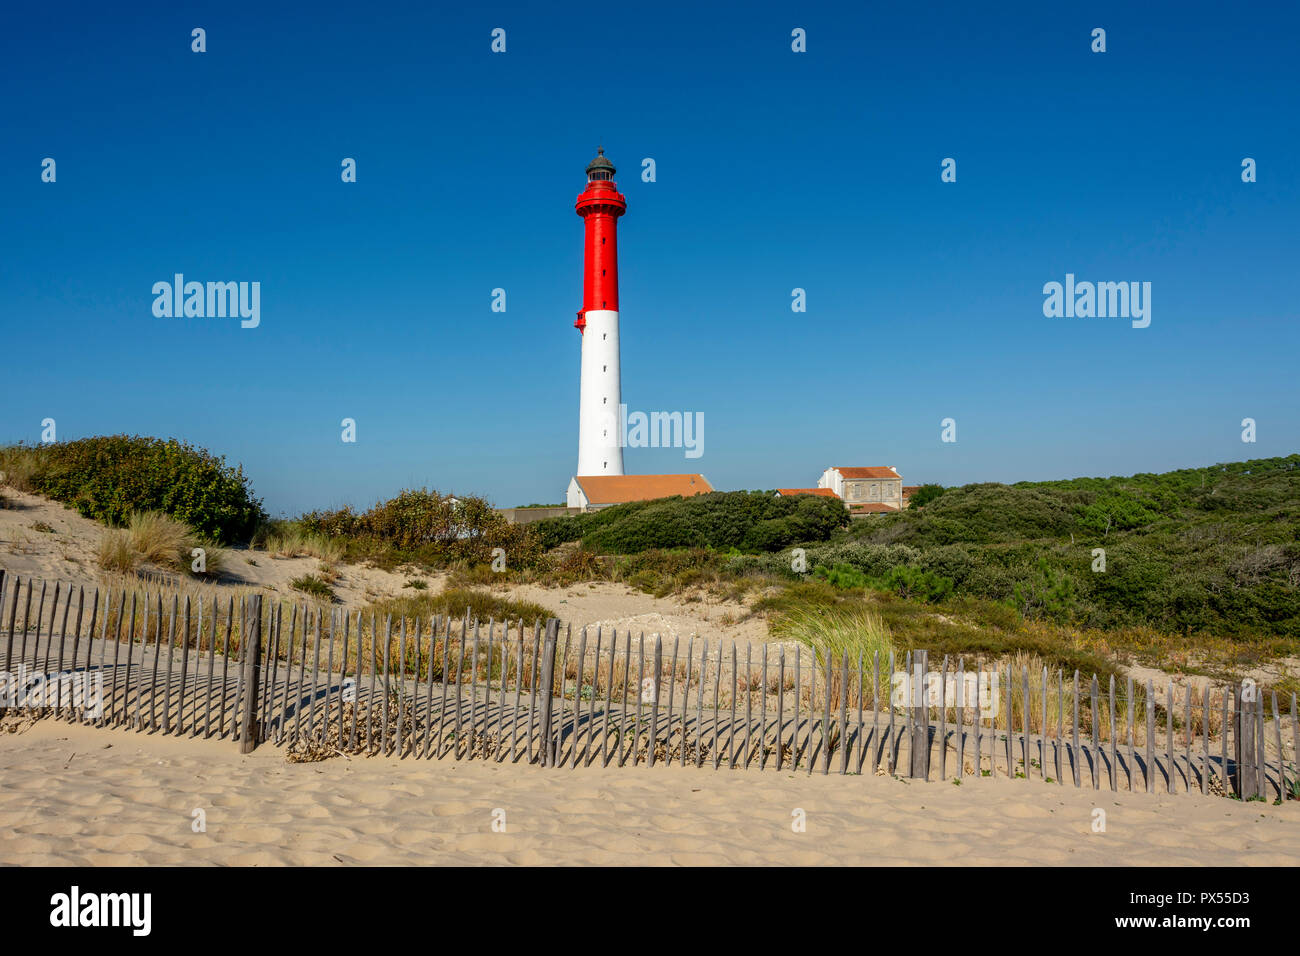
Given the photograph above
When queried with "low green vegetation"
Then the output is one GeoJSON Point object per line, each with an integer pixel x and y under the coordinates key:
{"type": "Point", "coordinates": [746, 520]}
{"type": "Point", "coordinates": [314, 585]}
{"type": "Point", "coordinates": [924, 495]}
{"type": "Point", "coordinates": [1196, 569]}
{"type": "Point", "coordinates": [421, 527]}
{"type": "Point", "coordinates": [1198, 549]}
{"type": "Point", "coordinates": [112, 477]}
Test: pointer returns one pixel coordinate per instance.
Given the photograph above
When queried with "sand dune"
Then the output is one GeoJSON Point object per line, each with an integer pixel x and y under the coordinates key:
{"type": "Point", "coordinates": [66, 552]}
{"type": "Point", "coordinates": [74, 795]}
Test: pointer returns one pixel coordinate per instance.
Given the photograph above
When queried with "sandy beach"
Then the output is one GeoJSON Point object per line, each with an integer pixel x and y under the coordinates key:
{"type": "Point", "coordinates": [75, 795]}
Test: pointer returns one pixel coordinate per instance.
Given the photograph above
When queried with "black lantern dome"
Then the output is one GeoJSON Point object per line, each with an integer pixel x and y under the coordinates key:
{"type": "Point", "coordinates": [600, 168]}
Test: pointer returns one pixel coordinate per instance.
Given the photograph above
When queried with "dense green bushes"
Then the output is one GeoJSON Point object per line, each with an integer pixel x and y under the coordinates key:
{"type": "Point", "coordinates": [1200, 549]}
{"type": "Point", "coordinates": [109, 478]}
{"type": "Point", "coordinates": [427, 527]}
{"type": "Point", "coordinates": [924, 495]}
{"type": "Point", "coordinates": [749, 521]}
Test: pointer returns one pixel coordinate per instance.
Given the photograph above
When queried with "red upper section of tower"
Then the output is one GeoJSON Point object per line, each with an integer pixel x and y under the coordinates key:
{"type": "Point", "coordinates": [600, 205]}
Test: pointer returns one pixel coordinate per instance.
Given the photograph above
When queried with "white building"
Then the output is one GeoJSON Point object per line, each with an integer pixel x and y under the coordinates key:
{"type": "Point", "coordinates": [865, 489]}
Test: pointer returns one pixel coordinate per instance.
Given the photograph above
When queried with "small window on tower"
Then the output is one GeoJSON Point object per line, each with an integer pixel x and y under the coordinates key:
{"type": "Point", "coordinates": [602, 240]}
{"type": "Point", "coordinates": [602, 271]}
{"type": "Point", "coordinates": [604, 368]}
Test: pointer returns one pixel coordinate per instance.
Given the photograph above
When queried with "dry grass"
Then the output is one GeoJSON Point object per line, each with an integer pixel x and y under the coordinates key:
{"type": "Point", "coordinates": [158, 539]}
{"type": "Point", "coordinates": [17, 466]}
{"type": "Point", "coordinates": [115, 552]}
{"type": "Point", "coordinates": [295, 543]}
{"type": "Point", "coordinates": [153, 538]}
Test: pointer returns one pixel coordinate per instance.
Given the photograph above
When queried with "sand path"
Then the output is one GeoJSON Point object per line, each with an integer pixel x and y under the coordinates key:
{"type": "Point", "coordinates": [74, 795]}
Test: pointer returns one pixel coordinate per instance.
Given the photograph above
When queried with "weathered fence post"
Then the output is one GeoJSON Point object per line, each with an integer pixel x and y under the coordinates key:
{"type": "Point", "coordinates": [248, 729]}
{"type": "Point", "coordinates": [920, 742]}
{"type": "Point", "coordinates": [1243, 743]}
{"type": "Point", "coordinates": [548, 693]}
{"type": "Point", "coordinates": [654, 712]}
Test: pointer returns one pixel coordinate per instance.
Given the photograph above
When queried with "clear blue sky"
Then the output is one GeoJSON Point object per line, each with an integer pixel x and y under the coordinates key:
{"type": "Point", "coordinates": [776, 170]}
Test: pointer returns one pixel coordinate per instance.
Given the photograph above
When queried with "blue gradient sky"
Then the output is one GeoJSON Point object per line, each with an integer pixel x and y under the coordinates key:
{"type": "Point", "coordinates": [775, 170]}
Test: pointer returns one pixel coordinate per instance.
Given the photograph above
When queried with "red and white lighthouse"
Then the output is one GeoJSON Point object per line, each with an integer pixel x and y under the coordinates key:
{"type": "Point", "coordinates": [600, 450]}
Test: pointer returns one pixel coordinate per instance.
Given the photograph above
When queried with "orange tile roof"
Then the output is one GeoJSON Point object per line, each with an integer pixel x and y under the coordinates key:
{"type": "Point", "coordinates": [873, 508]}
{"type": "Point", "coordinates": [616, 489]}
{"type": "Point", "coordinates": [911, 489]}
{"type": "Point", "coordinates": [823, 492]}
{"type": "Point", "coordinates": [872, 471]}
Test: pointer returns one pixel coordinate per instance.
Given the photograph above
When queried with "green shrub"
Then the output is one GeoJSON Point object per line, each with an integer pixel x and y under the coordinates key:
{"type": "Point", "coordinates": [745, 520]}
{"type": "Point", "coordinates": [910, 582]}
{"type": "Point", "coordinates": [109, 478]}
{"type": "Point", "coordinates": [1046, 593]}
{"type": "Point", "coordinates": [842, 576]}
{"type": "Point", "coordinates": [924, 495]}
{"type": "Point", "coordinates": [313, 585]}
{"type": "Point", "coordinates": [427, 527]}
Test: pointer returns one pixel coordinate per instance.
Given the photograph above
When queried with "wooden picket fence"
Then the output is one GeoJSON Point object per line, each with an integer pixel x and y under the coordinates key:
{"type": "Point", "coordinates": [322, 681]}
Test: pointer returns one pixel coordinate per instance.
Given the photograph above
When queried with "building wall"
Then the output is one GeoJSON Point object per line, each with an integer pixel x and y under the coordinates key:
{"type": "Point", "coordinates": [574, 497]}
{"type": "Point", "coordinates": [858, 491]}
{"type": "Point", "coordinates": [529, 515]}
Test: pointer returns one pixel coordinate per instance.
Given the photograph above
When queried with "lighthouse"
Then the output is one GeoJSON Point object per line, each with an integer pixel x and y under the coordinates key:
{"type": "Point", "coordinates": [600, 450]}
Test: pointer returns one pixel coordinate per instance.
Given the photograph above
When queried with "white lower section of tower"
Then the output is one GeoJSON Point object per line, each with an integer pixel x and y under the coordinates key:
{"type": "Point", "coordinates": [599, 449]}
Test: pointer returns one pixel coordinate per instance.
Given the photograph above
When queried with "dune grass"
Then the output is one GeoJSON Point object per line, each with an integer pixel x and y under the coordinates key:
{"type": "Point", "coordinates": [153, 538]}
{"type": "Point", "coordinates": [483, 605]}
{"type": "Point", "coordinates": [288, 540]}
{"type": "Point", "coordinates": [18, 465]}
{"type": "Point", "coordinates": [115, 552]}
